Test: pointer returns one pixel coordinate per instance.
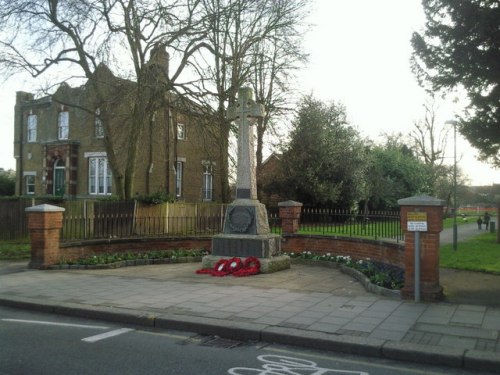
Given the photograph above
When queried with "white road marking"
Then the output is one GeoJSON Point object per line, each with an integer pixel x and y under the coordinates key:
{"type": "Point", "coordinates": [53, 323]}
{"type": "Point", "coordinates": [356, 361]}
{"type": "Point", "coordinates": [279, 364]}
{"type": "Point", "coordinates": [106, 335]}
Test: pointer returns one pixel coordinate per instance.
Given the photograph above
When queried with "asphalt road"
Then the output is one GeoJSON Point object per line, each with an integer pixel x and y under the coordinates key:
{"type": "Point", "coordinates": [38, 343]}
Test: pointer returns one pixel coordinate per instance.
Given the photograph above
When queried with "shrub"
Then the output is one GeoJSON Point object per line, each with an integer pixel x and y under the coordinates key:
{"type": "Point", "coordinates": [157, 198]}
{"type": "Point", "coordinates": [118, 257]}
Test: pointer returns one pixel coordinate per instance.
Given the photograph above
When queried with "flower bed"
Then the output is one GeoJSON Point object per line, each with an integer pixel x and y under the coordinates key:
{"type": "Point", "coordinates": [380, 274]}
{"type": "Point", "coordinates": [115, 260]}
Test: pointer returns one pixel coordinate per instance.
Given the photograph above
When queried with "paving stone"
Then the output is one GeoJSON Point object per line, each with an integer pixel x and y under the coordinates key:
{"type": "Point", "coordinates": [411, 311]}
{"type": "Point", "coordinates": [281, 314]}
{"type": "Point", "coordinates": [486, 345]}
{"type": "Point", "coordinates": [374, 314]}
{"type": "Point", "coordinates": [422, 338]}
{"type": "Point", "coordinates": [395, 327]}
{"type": "Point", "coordinates": [367, 320]}
{"type": "Point", "coordinates": [476, 308]}
{"type": "Point", "coordinates": [300, 320]}
{"type": "Point", "coordinates": [294, 325]}
{"type": "Point", "coordinates": [468, 318]}
{"type": "Point", "coordinates": [457, 342]}
{"type": "Point", "coordinates": [324, 327]}
{"type": "Point", "coordinates": [387, 335]}
{"type": "Point", "coordinates": [491, 322]}
{"type": "Point", "coordinates": [342, 314]}
{"type": "Point", "coordinates": [457, 331]}
{"type": "Point", "coordinates": [249, 314]}
{"type": "Point", "coordinates": [334, 320]}
{"type": "Point", "coordinates": [219, 314]}
{"type": "Point", "coordinates": [311, 314]}
{"type": "Point", "coordinates": [270, 320]}
{"type": "Point", "coordinates": [443, 310]}
{"type": "Point", "coordinates": [360, 327]}
{"type": "Point", "coordinates": [351, 332]}
{"type": "Point", "coordinates": [434, 319]}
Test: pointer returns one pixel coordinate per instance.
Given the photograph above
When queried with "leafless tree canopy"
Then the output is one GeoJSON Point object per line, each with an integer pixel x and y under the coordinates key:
{"type": "Point", "coordinates": [212, 48]}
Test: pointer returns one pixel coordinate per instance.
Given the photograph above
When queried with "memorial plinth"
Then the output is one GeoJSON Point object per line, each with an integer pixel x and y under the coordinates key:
{"type": "Point", "coordinates": [246, 228]}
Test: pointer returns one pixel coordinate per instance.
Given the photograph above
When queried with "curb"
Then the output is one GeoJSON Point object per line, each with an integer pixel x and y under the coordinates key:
{"type": "Point", "coordinates": [245, 331]}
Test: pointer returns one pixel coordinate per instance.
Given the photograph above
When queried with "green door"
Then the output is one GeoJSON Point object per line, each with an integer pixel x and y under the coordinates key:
{"type": "Point", "coordinates": [58, 178]}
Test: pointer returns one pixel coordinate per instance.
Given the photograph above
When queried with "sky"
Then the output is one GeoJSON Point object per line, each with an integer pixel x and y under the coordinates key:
{"type": "Point", "coordinates": [359, 55]}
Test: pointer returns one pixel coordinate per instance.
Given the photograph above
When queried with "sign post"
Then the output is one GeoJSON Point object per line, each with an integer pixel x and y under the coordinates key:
{"type": "Point", "coordinates": [417, 222]}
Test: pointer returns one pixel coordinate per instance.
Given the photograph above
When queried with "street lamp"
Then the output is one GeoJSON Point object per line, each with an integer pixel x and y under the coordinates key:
{"type": "Point", "coordinates": [455, 229]}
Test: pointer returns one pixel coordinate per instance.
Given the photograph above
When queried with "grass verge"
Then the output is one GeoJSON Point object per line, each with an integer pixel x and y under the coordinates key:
{"type": "Point", "coordinates": [480, 253]}
{"type": "Point", "coordinates": [14, 251]}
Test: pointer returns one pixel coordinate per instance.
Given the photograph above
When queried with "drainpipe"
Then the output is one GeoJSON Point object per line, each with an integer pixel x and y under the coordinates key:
{"type": "Point", "coordinates": [21, 136]}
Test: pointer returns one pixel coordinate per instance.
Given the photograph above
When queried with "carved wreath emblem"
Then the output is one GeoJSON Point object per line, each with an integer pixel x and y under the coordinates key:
{"type": "Point", "coordinates": [240, 219]}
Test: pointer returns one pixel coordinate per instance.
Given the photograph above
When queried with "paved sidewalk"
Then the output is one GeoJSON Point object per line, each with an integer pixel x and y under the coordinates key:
{"type": "Point", "coordinates": [464, 231]}
{"type": "Point", "coordinates": [309, 306]}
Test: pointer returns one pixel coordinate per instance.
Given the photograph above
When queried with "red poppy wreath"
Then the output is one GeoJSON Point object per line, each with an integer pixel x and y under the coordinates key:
{"type": "Point", "coordinates": [233, 266]}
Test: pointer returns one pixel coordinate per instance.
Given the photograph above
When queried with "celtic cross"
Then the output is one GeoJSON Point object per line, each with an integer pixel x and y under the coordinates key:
{"type": "Point", "coordinates": [245, 113]}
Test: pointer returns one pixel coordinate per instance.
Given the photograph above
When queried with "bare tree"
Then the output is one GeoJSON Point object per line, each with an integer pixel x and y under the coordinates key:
{"type": "Point", "coordinates": [39, 37]}
{"type": "Point", "coordinates": [429, 140]}
{"type": "Point", "coordinates": [244, 36]}
{"type": "Point", "coordinates": [274, 63]}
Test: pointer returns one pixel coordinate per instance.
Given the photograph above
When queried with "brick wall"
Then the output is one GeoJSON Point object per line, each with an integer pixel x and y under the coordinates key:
{"type": "Point", "coordinates": [357, 248]}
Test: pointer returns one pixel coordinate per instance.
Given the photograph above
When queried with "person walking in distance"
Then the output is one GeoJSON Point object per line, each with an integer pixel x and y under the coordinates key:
{"type": "Point", "coordinates": [486, 220]}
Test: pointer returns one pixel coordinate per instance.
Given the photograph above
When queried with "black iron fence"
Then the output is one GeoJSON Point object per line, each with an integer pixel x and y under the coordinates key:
{"type": "Point", "coordinates": [97, 220]}
{"type": "Point", "coordinates": [372, 224]}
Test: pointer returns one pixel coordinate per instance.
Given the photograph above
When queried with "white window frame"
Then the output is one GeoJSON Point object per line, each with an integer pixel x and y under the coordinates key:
{"type": "Point", "coordinates": [208, 181]}
{"type": "Point", "coordinates": [181, 131]}
{"type": "Point", "coordinates": [32, 125]}
{"type": "Point", "coordinates": [63, 125]}
{"type": "Point", "coordinates": [179, 177]}
{"type": "Point", "coordinates": [98, 125]}
{"type": "Point", "coordinates": [100, 175]}
{"type": "Point", "coordinates": [29, 181]}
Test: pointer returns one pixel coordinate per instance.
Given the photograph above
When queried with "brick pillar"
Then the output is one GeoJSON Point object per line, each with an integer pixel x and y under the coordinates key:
{"type": "Point", "coordinates": [432, 210]}
{"type": "Point", "coordinates": [290, 216]}
{"type": "Point", "coordinates": [44, 225]}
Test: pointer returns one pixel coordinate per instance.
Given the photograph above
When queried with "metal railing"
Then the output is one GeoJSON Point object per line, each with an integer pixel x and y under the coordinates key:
{"type": "Point", "coordinates": [133, 219]}
{"type": "Point", "coordinates": [373, 224]}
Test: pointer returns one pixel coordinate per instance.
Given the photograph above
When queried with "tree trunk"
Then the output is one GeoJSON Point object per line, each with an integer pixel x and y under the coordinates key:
{"type": "Point", "coordinates": [135, 136]}
{"type": "Point", "coordinates": [261, 128]}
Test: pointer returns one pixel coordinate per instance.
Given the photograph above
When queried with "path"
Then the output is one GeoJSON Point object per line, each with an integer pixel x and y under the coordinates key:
{"type": "Point", "coordinates": [465, 286]}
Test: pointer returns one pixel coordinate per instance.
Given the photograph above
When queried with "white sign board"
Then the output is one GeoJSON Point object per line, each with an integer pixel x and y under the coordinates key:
{"type": "Point", "coordinates": [417, 226]}
{"type": "Point", "coordinates": [416, 222]}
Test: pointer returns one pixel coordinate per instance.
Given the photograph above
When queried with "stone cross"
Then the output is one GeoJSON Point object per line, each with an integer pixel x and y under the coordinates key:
{"type": "Point", "coordinates": [245, 113]}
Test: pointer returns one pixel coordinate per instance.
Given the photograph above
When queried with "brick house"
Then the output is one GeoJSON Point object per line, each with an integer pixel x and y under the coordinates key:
{"type": "Point", "coordinates": [269, 178]}
{"type": "Point", "coordinates": [60, 145]}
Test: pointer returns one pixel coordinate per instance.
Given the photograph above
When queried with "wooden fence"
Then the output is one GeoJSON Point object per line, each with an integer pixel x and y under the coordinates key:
{"type": "Point", "coordinates": [90, 219]}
